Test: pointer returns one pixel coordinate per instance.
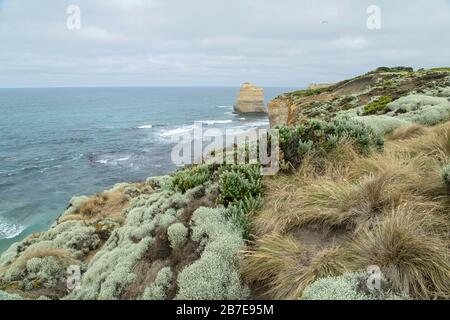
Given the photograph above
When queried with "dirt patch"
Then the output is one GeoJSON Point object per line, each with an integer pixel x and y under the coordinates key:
{"type": "Point", "coordinates": [319, 238]}
{"type": "Point", "coordinates": [357, 85]}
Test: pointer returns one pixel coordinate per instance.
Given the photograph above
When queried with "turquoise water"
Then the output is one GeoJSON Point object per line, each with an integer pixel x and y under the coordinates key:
{"type": "Point", "coordinates": [60, 142]}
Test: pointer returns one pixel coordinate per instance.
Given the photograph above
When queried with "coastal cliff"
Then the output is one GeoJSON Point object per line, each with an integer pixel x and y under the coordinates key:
{"type": "Point", "coordinates": [250, 100]}
{"type": "Point", "coordinates": [324, 102]}
{"type": "Point", "coordinates": [364, 181]}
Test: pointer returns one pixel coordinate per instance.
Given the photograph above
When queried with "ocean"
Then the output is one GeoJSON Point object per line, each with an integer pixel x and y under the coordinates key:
{"type": "Point", "coordinates": [56, 143]}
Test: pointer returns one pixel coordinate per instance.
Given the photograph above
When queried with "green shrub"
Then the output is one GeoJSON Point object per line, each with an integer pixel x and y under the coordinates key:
{"type": "Point", "coordinates": [239, 213]}
{"type": "Point", "coordinates": [393, 69]}
{"type": "Point", "coordinates": [379, 106]}
{"type": "Point", "coordinates": [446, 174]}
{"type": "Point", "coordinates": [177, 234]}
{"type": "Point", "coordinates": [319, 137]}
{"type": "Point", "coordinates": [236, 182]}
{"type": "Point", "coordinates": [191, 177]}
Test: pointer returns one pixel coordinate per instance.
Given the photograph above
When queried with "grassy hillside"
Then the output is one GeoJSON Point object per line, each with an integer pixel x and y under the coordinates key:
{"type": "Point", "coordinates": [364, 180]}
{"type": "Point", "coordinates": [345, 211]}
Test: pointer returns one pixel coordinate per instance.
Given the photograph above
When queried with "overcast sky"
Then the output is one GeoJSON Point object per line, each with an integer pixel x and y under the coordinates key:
{"type": "Point", "coordinates": [215, 43]}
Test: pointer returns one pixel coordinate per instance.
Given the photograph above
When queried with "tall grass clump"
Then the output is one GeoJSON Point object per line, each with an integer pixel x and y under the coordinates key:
{"type": "Point", "coordinates": [414, 261]}
{"type": "Point", "coordinates": [388, 209]}
{"type": "Point", "coordinates": [285, 267]}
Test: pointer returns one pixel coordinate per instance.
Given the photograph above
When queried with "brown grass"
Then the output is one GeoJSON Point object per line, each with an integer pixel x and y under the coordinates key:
{"type": "Point", "coordinates": [407, 132]}
{"type": "Point", "coordinates": [391, 208]}
{"type": "Point", "coordinates": [414, 261]}
{"type": "Point", "coordinates": [108, 204]}
{"type": "Point", "coordinates": [285, 267]}
{"type": "Point", "coordinates": [435, 144]}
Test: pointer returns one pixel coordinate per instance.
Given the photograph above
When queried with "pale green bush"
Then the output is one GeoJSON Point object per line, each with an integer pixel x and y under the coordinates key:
{"type": "Point", "coordinates": [166, 219]}
{"type": "Point", "coordinates": [74, 236]}
{"type": "Point", "coordinates": [444, 92]}
{"type": "Point", "coordinates": [345, 287]}
{"type": "Point", "coordinates": [421, 109]}
{"type": "Point", "coordinates": [157, 290]}
{"type": "Point", "coordinates": [9, 296]}
{"type": "Point", "coordinates": [75, 203]}
{"type": "Point", "coordinates": [415, 102]}
{"type": "Point", "coordinates": [216, 274]}
{"type": "Point", "coordinates": [382, 124]}
{"type": "Point", "coordinates": [46, 272]}
{"type": "Point", "coordinates": [161, 182]}
{"type": "Point", "coordinates": [177, 234]}
{"type": "Point", "coordinates": [111, 270]}
{"type": "Point", "coordinates": [429, 115]}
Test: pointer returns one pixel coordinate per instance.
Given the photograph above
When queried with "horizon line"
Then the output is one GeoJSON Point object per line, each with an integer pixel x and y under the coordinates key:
{"type": "Point", "coordinates": [143, 86]}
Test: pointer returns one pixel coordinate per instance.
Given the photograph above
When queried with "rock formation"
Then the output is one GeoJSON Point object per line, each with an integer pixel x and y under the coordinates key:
{"type": "Point", "coordinates": [250, 100]}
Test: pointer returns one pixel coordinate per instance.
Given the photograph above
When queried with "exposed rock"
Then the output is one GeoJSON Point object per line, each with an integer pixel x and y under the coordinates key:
{"type": "Point", "coordinates": [314, 86]}
{"type": "Point", "coordinates": [279, 111]}
{"type": "Point", "coordinates": [250, 100]}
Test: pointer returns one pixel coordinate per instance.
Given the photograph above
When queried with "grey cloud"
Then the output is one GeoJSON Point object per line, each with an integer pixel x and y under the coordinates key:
{"type": "Point", "coordinates": [204, 42]}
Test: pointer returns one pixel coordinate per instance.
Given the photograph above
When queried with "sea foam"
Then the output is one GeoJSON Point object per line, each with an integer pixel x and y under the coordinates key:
{"type": "Point", "coordinates": [10, 230]}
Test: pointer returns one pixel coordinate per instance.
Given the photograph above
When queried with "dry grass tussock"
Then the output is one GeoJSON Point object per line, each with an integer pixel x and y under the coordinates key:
{"type": "Point", "coordinates": [287, 267]}
{"type": "Point", "coordinates": [390, 209]}
{"type": "Point", "coordinates": [108, 204]}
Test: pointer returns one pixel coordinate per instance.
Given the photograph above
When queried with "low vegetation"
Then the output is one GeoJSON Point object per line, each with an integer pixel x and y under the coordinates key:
{"type": "Point", "coordinates": [365, 181]}
{"type": "Point", "coordinates": [317, 138]}
{"type": "Point", "coordinates": [349, 286]}
{"type": "Point", "coordinates": [379, 106]}
{"type": "Point", "coordinates": [388, 209]}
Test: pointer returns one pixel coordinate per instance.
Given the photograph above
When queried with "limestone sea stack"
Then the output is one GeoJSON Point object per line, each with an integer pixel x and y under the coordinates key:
{"type": "Point", "coordinates": [250, 100]}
